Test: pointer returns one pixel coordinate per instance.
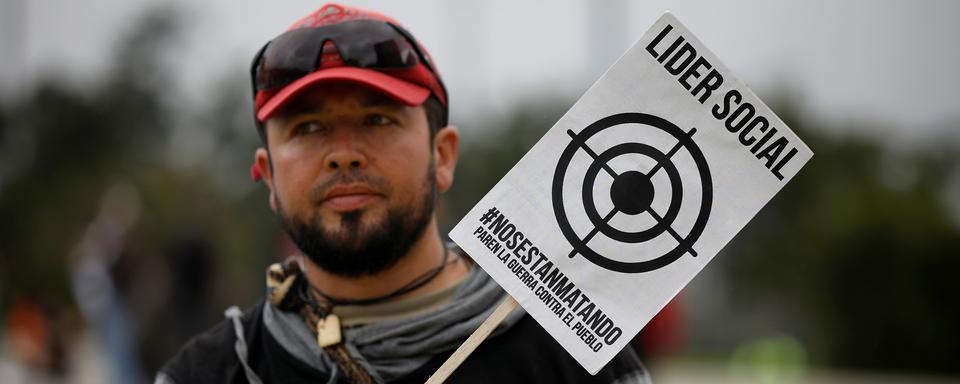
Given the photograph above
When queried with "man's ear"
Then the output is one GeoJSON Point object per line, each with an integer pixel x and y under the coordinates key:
{"type": "Point", "coordinates": [262, 161]}
{"type": "Point", "coordinates": [446, 144]}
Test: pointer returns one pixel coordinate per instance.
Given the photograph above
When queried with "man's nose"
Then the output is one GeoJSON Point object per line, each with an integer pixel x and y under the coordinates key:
{"type": "Point", "coordinates": [346, 155]}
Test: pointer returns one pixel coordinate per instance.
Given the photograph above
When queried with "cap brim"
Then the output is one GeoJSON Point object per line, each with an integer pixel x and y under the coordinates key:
{"type": "Point", "coordinates": [403, 91]}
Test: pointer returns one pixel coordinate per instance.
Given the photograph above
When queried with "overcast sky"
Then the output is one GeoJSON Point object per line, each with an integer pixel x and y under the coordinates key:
{"type": "Point", "coordinates": [892, 62]}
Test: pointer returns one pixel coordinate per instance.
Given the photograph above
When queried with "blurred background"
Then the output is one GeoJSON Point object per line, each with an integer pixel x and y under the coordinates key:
{"type": "Point", "coordinates": [129, 221]}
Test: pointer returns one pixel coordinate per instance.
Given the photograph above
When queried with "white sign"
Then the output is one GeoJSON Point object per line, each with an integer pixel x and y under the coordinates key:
{"type": "Point", "coordinates": [660, 163]}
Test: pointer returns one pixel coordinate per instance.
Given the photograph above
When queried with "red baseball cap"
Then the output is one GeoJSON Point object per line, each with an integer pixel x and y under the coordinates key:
{"type": "Point", "coordinates": [411, 86]}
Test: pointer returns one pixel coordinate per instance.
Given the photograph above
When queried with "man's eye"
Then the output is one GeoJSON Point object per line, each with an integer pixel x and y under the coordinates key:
{"type": "Point", "coordinates": [376, 119]}
{"type": "Point", "coordinates": [306, 127]}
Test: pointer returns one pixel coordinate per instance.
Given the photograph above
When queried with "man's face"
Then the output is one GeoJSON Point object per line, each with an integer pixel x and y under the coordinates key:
{"type": "Point", "coordinates": [353, 177]}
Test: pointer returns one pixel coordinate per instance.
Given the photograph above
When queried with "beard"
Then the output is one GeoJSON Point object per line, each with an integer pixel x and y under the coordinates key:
{"type": "Point", "coordinates": [356, 248]}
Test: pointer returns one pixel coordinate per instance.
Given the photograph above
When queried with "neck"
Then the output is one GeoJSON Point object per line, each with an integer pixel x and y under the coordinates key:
{"type": "Point", "coordinates": [426, 254]}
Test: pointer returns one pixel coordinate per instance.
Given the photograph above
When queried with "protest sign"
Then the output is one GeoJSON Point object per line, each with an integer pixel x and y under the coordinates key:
{"type": "Point", "coordinates": [657, 166]}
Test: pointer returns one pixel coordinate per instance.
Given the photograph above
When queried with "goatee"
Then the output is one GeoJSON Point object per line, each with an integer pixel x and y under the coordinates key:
{"type": "Point", "coordinates": [355, 249]}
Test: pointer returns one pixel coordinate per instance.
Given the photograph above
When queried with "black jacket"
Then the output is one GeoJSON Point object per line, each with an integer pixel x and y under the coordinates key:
{"type": "Point", "coordinates": [525, 353]}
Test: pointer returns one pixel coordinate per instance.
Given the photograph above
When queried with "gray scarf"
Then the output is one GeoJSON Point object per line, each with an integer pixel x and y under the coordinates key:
{"type": "Point", "coordinates": [391, 349]}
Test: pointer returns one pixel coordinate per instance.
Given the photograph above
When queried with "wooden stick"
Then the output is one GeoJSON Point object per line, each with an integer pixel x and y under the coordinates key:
{"type": "Point", "coordinates": [472, 342]}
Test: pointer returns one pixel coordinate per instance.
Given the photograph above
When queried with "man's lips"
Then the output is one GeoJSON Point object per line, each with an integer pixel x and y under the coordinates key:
{"type": "Point", "coordinates": [348, 197]}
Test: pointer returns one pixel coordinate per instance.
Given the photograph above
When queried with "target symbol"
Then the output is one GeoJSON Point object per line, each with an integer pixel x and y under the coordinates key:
{"type": "Point", "coordinates": [632, 193]}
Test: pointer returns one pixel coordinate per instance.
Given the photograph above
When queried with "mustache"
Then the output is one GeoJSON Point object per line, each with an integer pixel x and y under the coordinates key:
{"type": "Point", "coordinates": [319, 190]}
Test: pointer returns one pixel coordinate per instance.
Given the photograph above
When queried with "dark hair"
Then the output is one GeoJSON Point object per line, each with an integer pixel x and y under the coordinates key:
{"type": "Point", "coordinates": [436, 119]}
{"type": "Point", "coordinates": [436, 115]}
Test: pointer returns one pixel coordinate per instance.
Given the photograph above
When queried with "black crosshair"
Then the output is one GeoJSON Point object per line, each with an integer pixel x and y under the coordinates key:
{"type": "Point", "coordinates": [632, 192]}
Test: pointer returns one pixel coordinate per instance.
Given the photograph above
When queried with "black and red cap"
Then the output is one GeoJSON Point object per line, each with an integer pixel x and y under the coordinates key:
{"type": "Point", "coordinates": [410, 78]}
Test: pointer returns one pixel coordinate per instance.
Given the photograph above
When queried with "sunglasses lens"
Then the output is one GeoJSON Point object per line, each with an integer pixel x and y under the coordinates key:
{"type": "Point", "coordinates": [374, 45]}
{"type": "Point", "coordinates": [361, 43]}
{"type": "Point", "coordinates": [286, 59]}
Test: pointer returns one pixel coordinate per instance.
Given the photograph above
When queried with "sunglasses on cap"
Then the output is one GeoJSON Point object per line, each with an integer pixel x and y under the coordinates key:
{"type": "Point", "coordinates": [369, 44]}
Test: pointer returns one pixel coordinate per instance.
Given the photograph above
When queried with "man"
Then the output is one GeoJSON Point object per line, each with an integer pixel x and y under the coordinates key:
{"type": "Point", "coordinates": [353, 117]}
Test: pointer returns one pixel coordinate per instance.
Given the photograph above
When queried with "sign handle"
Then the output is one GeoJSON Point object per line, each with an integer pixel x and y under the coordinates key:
{"type": "Point", "coordinates": [477, 337]}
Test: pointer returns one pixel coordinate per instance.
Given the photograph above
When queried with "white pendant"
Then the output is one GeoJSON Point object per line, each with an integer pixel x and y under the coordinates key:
{"type": "Point", "coordinates": [328, 331]}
